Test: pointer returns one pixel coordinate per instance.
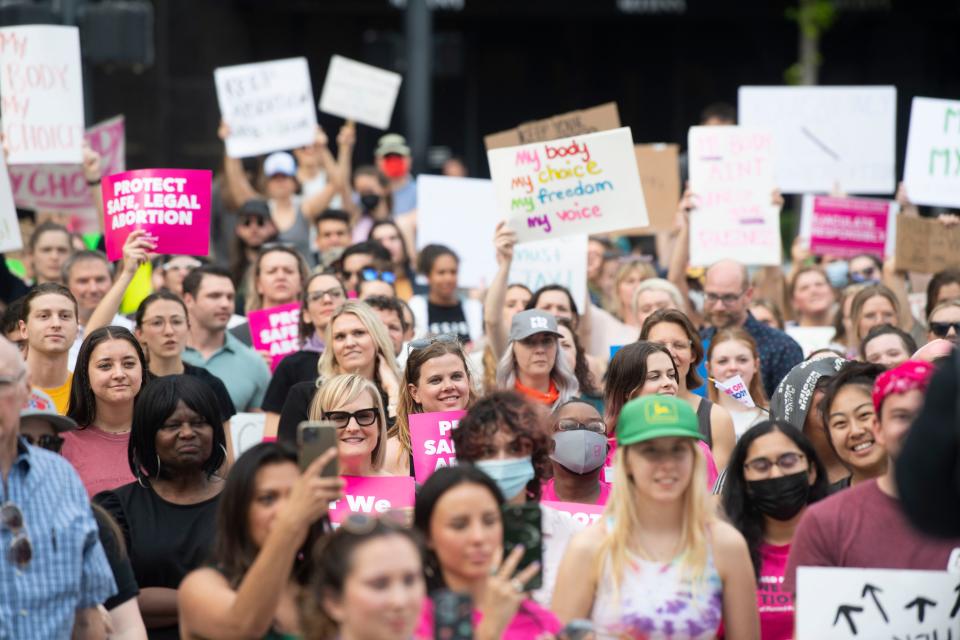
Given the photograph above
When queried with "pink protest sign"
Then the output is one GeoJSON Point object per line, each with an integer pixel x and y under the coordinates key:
{"type": "Point", "coordinates": [584, 514]}
{"type": "Point", "coordinates": [173, 205]}
{"type": "Point", "coordinates": [431, 436]}
{"type": "Point", "coordinates": [845, 227]}
{"type": "Point", "coordinates": [63, 187]}
{"type": "Point", "coordinates": [276, 330]}
{"type": "Point", "coordinates": [373, 495]}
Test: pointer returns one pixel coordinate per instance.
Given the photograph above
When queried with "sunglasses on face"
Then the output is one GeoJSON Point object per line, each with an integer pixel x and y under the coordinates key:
{"type": "Point", "coordinates": [941, 329]}
{"type": "Point", "coordinates": [370, 274]}
{"type": "Point", "coordinates": [20, 552]}
{"type": "Point", "coordinates": [253, 221]}
{"type": "Point", "coordinates": [340, 419]}
{"type": "Point", "coordinates": [870, 273]}
{"type": "Point", "coordinates": [46, 441]}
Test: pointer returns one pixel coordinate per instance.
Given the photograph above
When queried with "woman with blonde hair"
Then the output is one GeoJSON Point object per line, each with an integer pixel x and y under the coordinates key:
{"type": "Point", "coordinates": [436, 378]}
{"type": "Point", "coordinates": [356, 342]}
{"type": "Point", "coordinates": [659, 563]}
{"type": "Point", "coordinates": [872, 306]}
{"type": "Point", "coordinates": [353, 404]}
{"type": "Point", "coordinates": [733, 352]}
{"type": "Point", "coordinates": [653, 295]}
{"type": "Point", "coordinates": [632, 271]}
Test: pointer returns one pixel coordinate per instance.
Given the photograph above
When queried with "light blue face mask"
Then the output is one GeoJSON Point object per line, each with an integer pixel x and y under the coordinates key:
{"type": "Point", "coordinates": [511, 475]}
{"type": "Point", "coordinates": [837, 273]}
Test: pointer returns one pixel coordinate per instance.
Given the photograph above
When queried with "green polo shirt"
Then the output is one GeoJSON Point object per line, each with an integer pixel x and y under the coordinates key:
{"type": "Point", "coordinates": [242, 370]}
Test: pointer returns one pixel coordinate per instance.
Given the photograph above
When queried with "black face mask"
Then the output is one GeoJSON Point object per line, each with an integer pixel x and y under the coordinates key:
{"type": "Point", "coordinates": [369, 201]}
{"type": "Point", "coordinates": [780, 498]}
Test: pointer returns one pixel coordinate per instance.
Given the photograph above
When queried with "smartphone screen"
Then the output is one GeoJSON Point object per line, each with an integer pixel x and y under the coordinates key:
{"type": "Point", "coordinates": [313, 439]}
{"type": "Point", "coordinates": [521, 525]}
{"type": "Point", "coordinates": [452, 615]}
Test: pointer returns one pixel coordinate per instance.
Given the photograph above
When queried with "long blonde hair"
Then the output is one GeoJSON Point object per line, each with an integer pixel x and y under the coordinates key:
{"type": "Point", "coordinates": [344, 389]}
{"type": "Point", "coordinates": [623, 519]}
{"type": "Point", "coordinates": [328, 366]}
{"type": "Point", "coordinates": [738, 334]}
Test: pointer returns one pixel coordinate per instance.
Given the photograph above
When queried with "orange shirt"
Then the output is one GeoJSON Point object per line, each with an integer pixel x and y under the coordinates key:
{"type": "Point", "coordinates": [547, 398]}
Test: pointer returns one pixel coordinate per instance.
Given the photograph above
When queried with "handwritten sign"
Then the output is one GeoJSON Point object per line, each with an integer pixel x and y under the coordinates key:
{"type": "Point", "coordinates": [736, 389]}
{"type": "Point", "coordinates": [879, 604]}
{"type": "Point", "coordinates": [267, 105]}
{"type": "Point", "coordinates": [361, 92]}
{"type": "Point", "coordinates": [926, 246]}
{"type": "Point", "coordinates": [171, 204]}
{"type": "Point", "coordinates": [431, 436]}
{"type": "Point", "coordinates": [582, 514]}
{"type": "Point", "coordinates": [276, 330]}
{"type": "Point", "coordinates": [574, 123]}
{"type": "Point", "coordinates": [931, 172]}
{"type": "Point", "coordinates": [571, 186]}
{"type": "Point", "coordinates": [10, 239]}
{"type": "Point", "coordinates": [827, 136]}
{"type": "Point", "coordinates": [63, 187]}
{"type": "Point", "coordinates": [731, 172]}
{"type": "Point", "coordinates": [373, 495]}
{"type": "Point", "coordinates": [560, 261]}
{"type": "Point", "coordinates": [846, 227]}
{"type": "Point", "coordinates": [812, 339]}
{"type": "Point", "coordinates": [42, 94]}
{"type": "Point", "coordinates": [246, 430]}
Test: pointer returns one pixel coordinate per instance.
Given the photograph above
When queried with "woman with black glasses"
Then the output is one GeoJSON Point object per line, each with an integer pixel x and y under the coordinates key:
{"type": "Point", "coordinates": [578, 453]}
{"type": "Point", "coordinates": [944, 321]}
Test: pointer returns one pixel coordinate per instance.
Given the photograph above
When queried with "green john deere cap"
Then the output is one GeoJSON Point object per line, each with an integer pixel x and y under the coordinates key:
{"type": "Point", "coordinates": [652, 417]}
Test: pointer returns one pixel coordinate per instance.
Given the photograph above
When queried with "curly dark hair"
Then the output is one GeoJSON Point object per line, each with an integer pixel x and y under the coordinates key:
{"type": "Point", "coordinates": [506, 410]}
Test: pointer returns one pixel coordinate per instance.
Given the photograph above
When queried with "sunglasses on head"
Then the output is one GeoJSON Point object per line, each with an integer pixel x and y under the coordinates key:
{"type": "Point", "coordinates": [20, 552]}
{"type": "Point", "coordinates": [46, 441]}
{"type": "Point", "coordinates": [941, 329]}
{"type": "Point", "coordinates": [423, 343]}
{"type": "Point", "coordinates": [370, 274]}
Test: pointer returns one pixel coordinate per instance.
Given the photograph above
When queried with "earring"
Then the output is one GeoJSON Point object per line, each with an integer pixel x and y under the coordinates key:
{"type": "Point", "coordinates": [158, 465]}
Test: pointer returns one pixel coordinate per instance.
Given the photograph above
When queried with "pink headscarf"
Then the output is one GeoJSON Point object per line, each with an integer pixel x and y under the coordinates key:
{"type": "Point", "coordinates": [912, 374]}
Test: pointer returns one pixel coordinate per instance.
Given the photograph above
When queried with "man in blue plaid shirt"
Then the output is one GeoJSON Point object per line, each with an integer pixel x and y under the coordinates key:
{"type": "Point", "coordinates": [53, 571]}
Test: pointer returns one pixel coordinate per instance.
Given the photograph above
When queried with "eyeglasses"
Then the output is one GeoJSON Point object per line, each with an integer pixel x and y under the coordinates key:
{"type": "Point", "coordinates": [46, 441]}
{"type": "Point", "coordinates": [347, 275]}
{"type": "Point", "coordinates": [788, 462]}
{"type": "Point", "coordinates": [335, 293]}
{"type": "Point", "coordinates": [182, 266]}
{"type": "Point", "coordinates": [340, 419]}
{"type": "Point", "coordinates": [370, 274]}
{"type": "Point", "coordinates": [677, 346]}
{"type": "Point", "coordinates": [727, 299]}
{"type": "Point", "coordinates": [423, 343]}
{"type": "Point", "coordinates": [941, 329]}
{"type": "Point", "coordinates": [566, 424]}
{"type": "Point", "coordinates": [21, 549]}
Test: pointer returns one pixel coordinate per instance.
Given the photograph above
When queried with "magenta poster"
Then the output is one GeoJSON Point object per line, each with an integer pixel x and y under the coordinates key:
{"type": "Point", "coordinates": [845, 227]}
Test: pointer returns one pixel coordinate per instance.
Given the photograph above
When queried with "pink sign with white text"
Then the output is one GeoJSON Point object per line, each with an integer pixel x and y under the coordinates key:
{"type": "Point", "coordinates": [431, 436]}
{"type": "Point", "coordinates": [373, 495]}
{"type": "Point", "coordinates": [172, 205]}
{"type": "Point", "coordinates": [846, 227]}
{"type": "Point", "coordinates": [584, 514]}
{"type": "Point", "coordinates": [276, 330]}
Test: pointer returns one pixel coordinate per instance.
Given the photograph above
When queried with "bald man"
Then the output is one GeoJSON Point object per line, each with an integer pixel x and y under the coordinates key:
{"type": "Point", "coordinates": [727, 296]}
{"type": "Point", "coordinates": [47, 517]}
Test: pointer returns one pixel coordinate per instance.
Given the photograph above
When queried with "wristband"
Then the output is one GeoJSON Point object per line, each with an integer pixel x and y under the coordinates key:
{"type": "Point", "coordinates": [93, 183]}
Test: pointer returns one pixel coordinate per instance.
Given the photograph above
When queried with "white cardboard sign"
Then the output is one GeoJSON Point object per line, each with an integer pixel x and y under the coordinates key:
{"type": "Point", "coordinates": [828, 137]}
{"type": "Point", "coordinates": [570, 186]}
{"type": "Point", "coordinates": [10, 238]}
{"type": "Point", "coordinates": [360, 92]}
{"type": "Point", "coordinates": [246, 430]}
{"type": "Point", "coordinates": [876, 604]}
{"type": "Point", "coordinates": [41, 89]}
{"type": "Point", "coordinates": [560, 261]}
{"type": "Point", "coordinates": [731, 173]}
{"type": "Point", "coordinates": [931, 172]}
{"type": "Point", "coordinates": [267, 105]}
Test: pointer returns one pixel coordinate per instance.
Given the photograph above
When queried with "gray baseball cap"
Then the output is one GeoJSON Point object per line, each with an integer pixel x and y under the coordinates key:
{"type": "Point", "coordinates": [526, 323]}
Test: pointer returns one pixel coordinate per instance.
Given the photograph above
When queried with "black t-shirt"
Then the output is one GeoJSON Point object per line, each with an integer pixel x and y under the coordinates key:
{"type": "Point", "coordinates": [296, 409]}
{"type": "Point", "coordinates": [224, 402]}
{"type": "Point", "coordinates": [165, 541]}
{"type": "Point", "coordinates": [119, 563]}
{"type": "Point", "coordinates": [296, 367]}
{"type": "Point", "coordinates": [447, 319]}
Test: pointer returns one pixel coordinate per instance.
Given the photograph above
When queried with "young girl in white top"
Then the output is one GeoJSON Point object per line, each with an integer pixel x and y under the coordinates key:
{"type": "Point", "coordinates": [733, 352]}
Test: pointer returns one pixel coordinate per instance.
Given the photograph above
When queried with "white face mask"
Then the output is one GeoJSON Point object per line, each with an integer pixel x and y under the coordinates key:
{"type": "Point", "coordinates": [580, 451]}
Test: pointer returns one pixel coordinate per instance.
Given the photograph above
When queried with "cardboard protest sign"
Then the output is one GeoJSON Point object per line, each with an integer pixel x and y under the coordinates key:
{"type": "Point", "coordinates": [276, 330]}
{"type": "Point", "coordinates": [847, 603]}
{"type": "Point", "coordinates": [571, 186]}
{"type": "Point", "coordinates": [41, 92]}
{"type": "Point", "coordinates": [931, 172]}
{"type": "Point", "coordinates": [373, 495]}
{"type": "Point", "coordinates": [574, 123]}
{"type": "Point", "coordinates": [560, 261]}
{"type": "Point", "coordinates": [431, 436]}
{"type": "Point", "coordinates": [246, 430]}
{"type": "Point", "coordinates": [846, 227]}
{"type": "Point", "coordinates": [173, 205]}
{"type": "Point", "coordinates": [731, 173]}
{"type": "Point", "coordinates": [827, 136]}
{"type": "Point", "coordinates": [659, 168]}
{"type": "Point", "coordinates": [582, 514]}
{"type": "Point", "coordinates": [925, 245]}
{"type": "Point", "coordinates": [63, 187]}
{"type": "Point", "coordinates": [361, 92]}
{"type": "Point", "coordinates": [458, 213]}
{"type": "Point", "coordinates": [267, 105]}
{"type": "Point", "coordinates": [10, 239]}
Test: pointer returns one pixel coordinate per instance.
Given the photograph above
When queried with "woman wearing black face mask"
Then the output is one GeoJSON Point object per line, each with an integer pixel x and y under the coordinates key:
{"type": "Point", "coordinates": [773, 474]}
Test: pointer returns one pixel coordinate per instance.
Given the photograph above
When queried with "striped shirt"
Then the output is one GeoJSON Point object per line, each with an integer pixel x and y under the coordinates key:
{"type": "Point", "coordinates": [69, 570]}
